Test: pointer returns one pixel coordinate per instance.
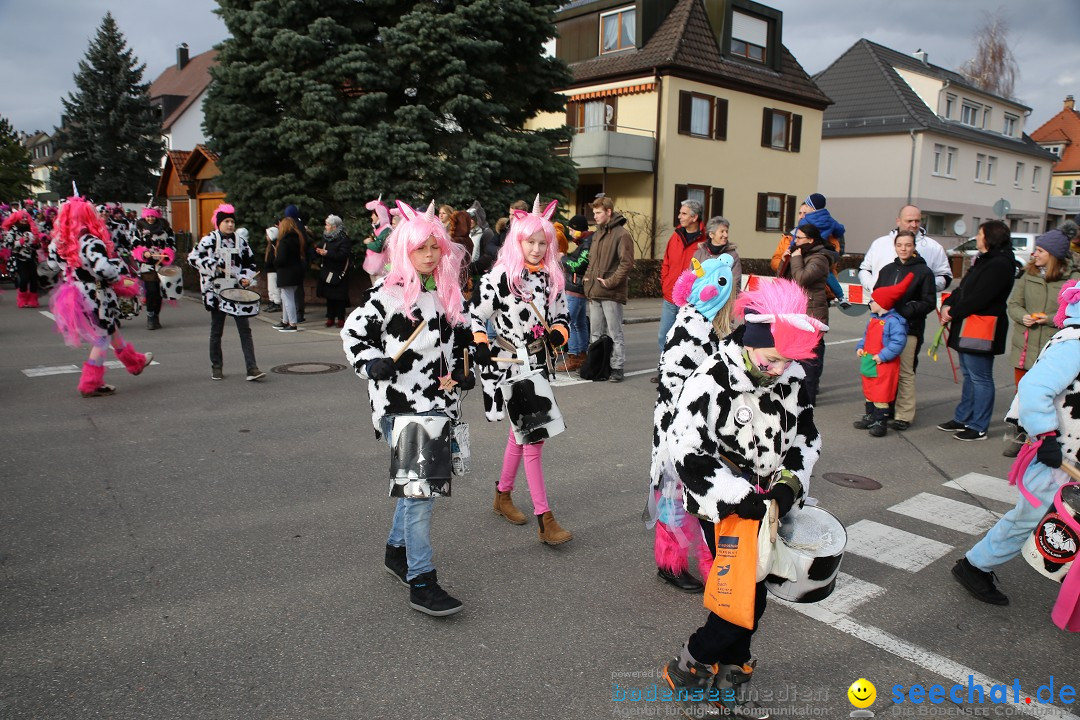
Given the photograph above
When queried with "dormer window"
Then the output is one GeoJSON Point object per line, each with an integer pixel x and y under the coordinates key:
{"type": "Point", "coordinates": [1009, 127]}
{"type": "Point", "coordinates": [617, 30]}
{"type": "Point", "coordinates": [749, 36]}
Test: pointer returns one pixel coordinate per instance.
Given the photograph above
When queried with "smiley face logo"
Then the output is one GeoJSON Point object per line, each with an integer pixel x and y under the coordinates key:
{"type": "Point", "coordinates": [862, 693]}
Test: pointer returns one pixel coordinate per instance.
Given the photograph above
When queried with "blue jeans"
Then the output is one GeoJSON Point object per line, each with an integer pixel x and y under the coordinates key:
{"type": "Point", "coordinates": [667, 319]}
{"type": "Point", "coordinates": [578, 307]}
{"type": "Point", "coordinates": [977, 393]}
{"type": "Point", "coordinates": [1004, 541]}
{"type": "Point", "coordinates": [411, 525]}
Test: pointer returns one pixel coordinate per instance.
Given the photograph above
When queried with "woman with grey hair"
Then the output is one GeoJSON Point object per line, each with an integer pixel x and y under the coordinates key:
{"type": "Point", "coordinates": [335, 251]}
{"type": "Point", "coordinates": [716, 244]}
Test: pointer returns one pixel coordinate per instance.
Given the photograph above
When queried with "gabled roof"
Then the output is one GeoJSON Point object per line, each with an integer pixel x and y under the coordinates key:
{"type": "Point", "coordinates": [174, 162]}
{"type": "Point", "coordinates": [871, 98]}
{"type": "Point", "coordinates": [684, 44]}
{"type": "Point", "coordinates": [183, 86]}
{"type": "Point", "coordinates": [195, 161]}
{"type": "Point", "coordinates": [1063, 128]}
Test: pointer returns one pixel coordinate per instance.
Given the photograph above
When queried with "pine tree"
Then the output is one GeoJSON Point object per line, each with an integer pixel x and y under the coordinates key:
{"type": "Point", "coordinates": [111, 138]}
{"type": "Point", "coordinates": [16, 180]}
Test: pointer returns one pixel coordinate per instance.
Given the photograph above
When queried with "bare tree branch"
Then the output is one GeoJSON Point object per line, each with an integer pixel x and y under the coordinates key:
{"type": "Point", "coordinates": [994, 67]}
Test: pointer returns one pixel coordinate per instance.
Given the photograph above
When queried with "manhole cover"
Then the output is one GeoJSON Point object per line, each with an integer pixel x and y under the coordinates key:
{"type": "Point", "coordinates": [855, 482]}
{"type": "Point", "coordinates": [307, 368]}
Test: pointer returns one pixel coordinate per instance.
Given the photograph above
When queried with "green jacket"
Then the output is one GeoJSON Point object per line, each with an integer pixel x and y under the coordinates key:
{"type": "Point", "coordinates": [1032, 294]}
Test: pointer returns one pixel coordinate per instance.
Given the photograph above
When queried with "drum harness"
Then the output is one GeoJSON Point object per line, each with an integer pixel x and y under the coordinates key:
{"type": "Point", "coordinates": [534, 348]}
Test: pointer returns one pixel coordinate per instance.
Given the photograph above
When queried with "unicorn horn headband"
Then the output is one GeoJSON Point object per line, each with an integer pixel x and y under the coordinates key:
{"type": "Point", "coordinates": [799, 320]}
{"type": "Point", "coordinates": [546, 213]}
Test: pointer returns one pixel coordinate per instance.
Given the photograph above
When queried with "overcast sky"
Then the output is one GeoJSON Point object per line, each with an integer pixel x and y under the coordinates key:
{"type": "Point", "coordinates": [45, 39]}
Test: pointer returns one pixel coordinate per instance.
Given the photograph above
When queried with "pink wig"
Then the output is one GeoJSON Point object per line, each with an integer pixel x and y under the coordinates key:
{"type": "Point", "coordinates": [77, 218]}
{"type": "Point", "coordinates": [782, 304]}
{"type": "Point", "coordinates": [21, 216]}
{"type": "Point", "coordinates": [379, 208]}
{"type": "Point", "coordinates": [1065, 299]}
{"type": "Point", "coordinates": [511, 258]}
{"type": "Point", "coordinates": [222, 209]}
{"type": "Point", "coordinates": [151, 212]}
{"type": "Point", "coordinates": [412, 232]}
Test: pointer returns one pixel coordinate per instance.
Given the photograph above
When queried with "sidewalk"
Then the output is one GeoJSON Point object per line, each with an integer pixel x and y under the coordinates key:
{"type": "Point", "coordinates": [642, 310]}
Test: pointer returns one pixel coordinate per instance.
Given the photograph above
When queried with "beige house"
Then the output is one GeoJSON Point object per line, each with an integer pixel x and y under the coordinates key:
{"type": "Point", "coordinates": [44, 159]}
{"type": "Point", "coordinates": [676, 99]}
{"type": "Point", "coordinates": [902, 130]}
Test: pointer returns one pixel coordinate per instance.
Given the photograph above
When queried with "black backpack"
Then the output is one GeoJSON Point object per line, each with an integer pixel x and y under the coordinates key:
{"type": "Point", "coordinates": [598, 359]}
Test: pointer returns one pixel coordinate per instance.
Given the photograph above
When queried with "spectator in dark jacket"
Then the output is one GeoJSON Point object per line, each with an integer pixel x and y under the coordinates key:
{"type": "Point", "coordinates": [291, 211]}
{"type": "Point", "coordinates": [978, 323]}
{"type": "Point", "coordinates": [290, 260]}
{"type": "Point", "coordinates": [574, 266]}
{"type": "Point", "coordinates": [914, 305]}
{"type": "Point", "coordinates": [335, 251]}
{"type": "Point", "coordinates": [607, 280]}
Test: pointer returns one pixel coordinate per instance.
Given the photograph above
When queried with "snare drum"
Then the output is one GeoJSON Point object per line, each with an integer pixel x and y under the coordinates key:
{"type": "Point", "coordinates": [420, 464]}
{"type": "Point", "coordinates": [531, 407]}
{"type": "Point", "coordinates": [817, 540]}
{"type": "Point", "coordinates": [172, 282]}
{"type": "Point", "coordinates": [127, 291]}
{"type": "Point", "coordinates": [47, 276]}
{"type": "Point", "coordinates": [238, 301]}
{"type": "Point", "coordinates": [1051, 549]}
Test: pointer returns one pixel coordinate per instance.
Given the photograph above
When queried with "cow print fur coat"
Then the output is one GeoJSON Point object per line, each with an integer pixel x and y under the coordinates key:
{"type": "Point", "coordinates": [94, 279]}
{"type": "Point", "coordinates": [223, 258]}
{"type": "Point", "coordinates": [378, 329]}
{"type": "Point", "coordinates": [760, 429]}
{"type": "Point", "coordinates": [516, 322]}
{"type": "Point", "coordinates": [153, 237]}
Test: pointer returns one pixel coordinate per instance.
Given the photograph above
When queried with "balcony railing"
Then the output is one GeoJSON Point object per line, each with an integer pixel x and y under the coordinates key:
{"type": "Point", "coordinates": [1068, 203]}
{"type": "Point", "coordinates": [611, 147]}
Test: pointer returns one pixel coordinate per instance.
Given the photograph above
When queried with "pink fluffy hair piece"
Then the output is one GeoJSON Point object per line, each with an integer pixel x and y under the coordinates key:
{"type": "Point", "coordinates": [77, 218]}
{"type": "Point", "coordinates": [1065, 298]}
{"type": "Point", "coordinates": [781, 297]}
{"type": "Point", "coordinates": [151, 212]}
{"type": "Point", "coordinates": [511, 257]}
{"type": "Point", "coordinates": [379, 208]}
{"type": "Point", "coordinates": [412, 232]}
{"type": "Point", "coordinates": [222, 209]}
{"type": "Point", "coordinates": [21, 216]}
{"type": "Point", "coordinates": [683, 287]}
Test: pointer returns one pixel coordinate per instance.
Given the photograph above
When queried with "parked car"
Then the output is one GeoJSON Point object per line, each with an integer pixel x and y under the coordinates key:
{"type": "Point", "coordinates": [1023, 245]}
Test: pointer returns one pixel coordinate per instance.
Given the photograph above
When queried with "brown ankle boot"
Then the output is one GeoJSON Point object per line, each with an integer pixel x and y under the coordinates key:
{"type": "Point", "coordinates": [504, 505]}
{"type": "Point", "coordinates": [550, 530]}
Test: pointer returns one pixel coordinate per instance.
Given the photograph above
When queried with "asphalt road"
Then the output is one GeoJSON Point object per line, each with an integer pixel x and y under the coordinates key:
{"type": "Point", "coordinates": [198, 549]}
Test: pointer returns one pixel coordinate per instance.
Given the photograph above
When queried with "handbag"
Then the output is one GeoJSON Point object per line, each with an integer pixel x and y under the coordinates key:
{"type": "Point", "coordinates": [977, 333]}
{"type": "Point", "coordinates": [732, 582]}
{"type": "Point", "coordinates": [333, 278]}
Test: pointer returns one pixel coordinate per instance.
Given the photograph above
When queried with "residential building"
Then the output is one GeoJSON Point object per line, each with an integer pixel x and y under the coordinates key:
{"type": "Point", "coordinates": [904, 131]}
{"type": "Point", "coordinates": [1060, 135]}
{"type": "Point", "coordinates": [44, 159]}
{"type": "Point", "coordinates": [677, 99]}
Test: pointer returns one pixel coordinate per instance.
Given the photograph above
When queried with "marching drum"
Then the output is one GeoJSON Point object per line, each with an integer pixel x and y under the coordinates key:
{"type": "Point", "coordinates": [816, 539]}
{"type": "Point", "coordinates": [531, 407]}
{"type": "Point", "coordinates": [420, 465]}
{"type": "Point", "coordinates": [127, 291]}
{"type": "Point", "coordinates": [1051, 548]}
{"type": "Point", "coordinates": [47, 276]}
{"type": "Point", "coordinates": [172, 282]}
{"type": "Point", "coordinates": [238, 301]}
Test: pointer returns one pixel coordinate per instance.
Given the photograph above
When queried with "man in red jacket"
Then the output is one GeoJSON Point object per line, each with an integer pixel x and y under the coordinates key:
{"type": "Point", "coordinates": [680, 248]}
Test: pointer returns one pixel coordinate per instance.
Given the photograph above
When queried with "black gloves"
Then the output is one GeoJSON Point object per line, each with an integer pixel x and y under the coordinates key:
{"type": "Point", "coordinates": [464, 382]}
{"type": "Point", "coordinates": [482, 354]}
{"type": "Point", "coordinates": [751, 507]}
{"type": "Point", "coordinates": [784, 495]}
{"type": "Point", "coordinates": [381, 369]}
{"type": "Point", "coordinates": [554, 338]}
{"type": "Point", "coordinates": [1049, 452]}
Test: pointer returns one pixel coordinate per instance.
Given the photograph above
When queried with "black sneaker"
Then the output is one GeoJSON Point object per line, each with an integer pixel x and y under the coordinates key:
{"type": "Point", "coordinates": [684, 580]}
{"type": "Point", "coordinates": [952, 426]}
{"type": "Point", "coordinates": [216, 373]}
{"type": "Point", "coordinates": [878, 429]}
{"type": "Point", "coordinates": [899, 424]}
{"type": "Point", "coordinates": [616, 375]}
{"type": "Point", "coordinates": [978, 582]}
{"type": "Point", "coordinates": [968, 435]}
{"type": "Point", "coordinates": [397, 564]}
{"type": "Point", "coordinates": [272, 308]}
{"type": "Point", "coordinates": [254, 373]}
{"type": "Point", "coordinates": [279, 325]}
{"type": "Point", "coordinates": [426, 596]}
{"type": "Point", "coordinates": [863, 423]}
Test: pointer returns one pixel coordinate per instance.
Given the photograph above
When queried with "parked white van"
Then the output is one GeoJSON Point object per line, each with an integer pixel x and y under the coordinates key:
{"type": "Point", "coordinates": [1023, 245]}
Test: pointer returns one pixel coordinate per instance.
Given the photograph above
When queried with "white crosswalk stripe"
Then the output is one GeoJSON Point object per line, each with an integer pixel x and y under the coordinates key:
{"type": "Point", "coordinates": [987, 486]}
{"type": "Point", "coordinates": [946, 512]}
{"type": "Point", "coordinates": [894, 547]}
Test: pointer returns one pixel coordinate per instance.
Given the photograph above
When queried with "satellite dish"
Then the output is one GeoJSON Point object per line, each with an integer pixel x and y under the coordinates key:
{"type": "Point", "coordinates": [959, 227]}
{"type": "Point", "coordinates": [1002, 207]}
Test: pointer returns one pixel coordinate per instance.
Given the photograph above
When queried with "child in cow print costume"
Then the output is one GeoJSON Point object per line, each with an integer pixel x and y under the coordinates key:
{"type": "Point", "coordinates": [527, 271]}
{"type": "Point", "coordinates": [421, 287]}
{"type": "Point", "coordinates": [155, 247]}
{"type": "Point", "coordinates": [706, 297]}
{"type": "Point", "coordinates": [86, 306]}
{"type": "Point", "coordinates": [23, 240]}
{"type": "Point", "coordinates": [742, 432]}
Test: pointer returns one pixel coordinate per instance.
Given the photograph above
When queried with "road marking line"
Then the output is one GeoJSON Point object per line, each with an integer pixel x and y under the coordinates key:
{"type": "Point", "coordinates": [947, 513]}
{"type": "Point", "coordinates": [843, 342]}
{"type": "Point", "coordinates": [894, 547]}
{"type": "Point", "coordinates": [568, 383]}
{"type": "Point", "coordinates": [987, 486]}
{"type": "Point", "coordinates": [48, 314]}
{"type": "Point", "coordinates": [850, 593]}
{"type": "Point", "coordinates": [942, 666]}
{"type": "Point", "coordinates": [67, 369]}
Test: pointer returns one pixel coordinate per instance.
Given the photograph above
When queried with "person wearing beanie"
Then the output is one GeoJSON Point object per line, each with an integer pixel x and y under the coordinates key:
{"type": "Point", "coordinates": [154, 248]}
{"type": "Point", "coordinates": [879, 354]}
{"type": "Point", "coordinates": [334, 251]}
{"type": "Point", "coordinates": [574, 265]}
{"type": "Point", "coordinates": [224, 260]}
{"type": "Point", "coordinates": [742, 434]}
{"type": "Point", "coordinates": [293, 213]}
{"type": "Point", "coordinates": [808, 265]}
{"type": "Point", "coordinates": [1071, 228]}
{"type": "Point", "coordinates": [1031, 308]}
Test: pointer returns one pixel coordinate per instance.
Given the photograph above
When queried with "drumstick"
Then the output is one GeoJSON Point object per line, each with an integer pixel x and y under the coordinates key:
{"type": "Point", "coordinates": [1071, 470]}
{"type": "Point", "coordinates": [409, 342]}
{"type": "Point", "coordinates": [514, 361]}
{"type": "Point", "coordinates": [465, 354]}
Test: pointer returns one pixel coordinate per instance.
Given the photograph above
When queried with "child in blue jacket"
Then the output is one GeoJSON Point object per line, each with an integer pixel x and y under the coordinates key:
{"type": "Point", "coordinates": [880, 349]}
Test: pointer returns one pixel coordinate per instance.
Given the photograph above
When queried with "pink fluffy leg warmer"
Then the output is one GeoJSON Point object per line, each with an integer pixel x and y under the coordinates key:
{"type": "Point", "coordinates": [133, 361]}
{"type": "Point", "coordinates": [670, 555]}
{"type": "Point", "coordinates": [93, 376]}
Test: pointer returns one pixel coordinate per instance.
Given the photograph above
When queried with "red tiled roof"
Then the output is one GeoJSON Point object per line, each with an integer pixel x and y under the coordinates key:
{"type": "Point", "coordinates": [187, 83]}
{"type": "Point", "coordinates": [1065, 128]}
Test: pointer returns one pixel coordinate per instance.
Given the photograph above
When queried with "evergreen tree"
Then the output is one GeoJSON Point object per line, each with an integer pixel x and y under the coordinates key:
{"type": "Point", "coordinates": [16, 180]}
{"type": "Point", "coordinates": [111, 135]}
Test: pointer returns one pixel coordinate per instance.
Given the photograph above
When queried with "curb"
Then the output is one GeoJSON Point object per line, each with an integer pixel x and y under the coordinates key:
{"type": "Point", "coordinates": [638, 321]}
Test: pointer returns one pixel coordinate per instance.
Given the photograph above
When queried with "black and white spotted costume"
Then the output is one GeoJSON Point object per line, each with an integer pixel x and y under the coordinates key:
{"type": "Point", "coordinates": [224, 258]}
{"type": "Point", "coordinates": [376, 330]}
{"type": "Point", "coordinates": [761, 429]}
{"type": "Point", "coordinates": [515, 322]}
{"type": "Point", "coordinates": [94, 279]}
{"type": "Point", "coordinates": [153, 237]}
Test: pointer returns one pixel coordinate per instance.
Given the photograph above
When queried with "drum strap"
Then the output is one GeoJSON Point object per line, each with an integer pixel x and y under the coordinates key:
{"type": "Point", "coordinates": [537, 348]}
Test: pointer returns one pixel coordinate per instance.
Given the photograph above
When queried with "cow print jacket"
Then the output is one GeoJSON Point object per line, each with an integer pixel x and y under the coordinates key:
{"type": "Point", "coordinates": [691, 341]}
{"type": "Point", "coordinates": [22, 243]}
{"type": "Point", "coordinates": [514, 320]}
{"type": "Point", "coordinates": [378, 329]}
{"type": "Point", "coordinates": [224, 258]}
{"type": "Point", "coordinates": [94, 279]}
{"type": "Point", "coordinates": [153, 238]}
{"type": "Point", "coordinates": [760, 429]}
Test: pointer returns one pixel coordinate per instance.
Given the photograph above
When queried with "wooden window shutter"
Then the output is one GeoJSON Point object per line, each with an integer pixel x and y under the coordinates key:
{"type": "Point", "coordinates": [685, 101]}
{"type": "Point", "coordinates": [766, 128]}
{"type": "Point", "coordinates": [762, 209]}
{"type": "Point", "coordinates": [789, 212]}
{"type": "Point", "coordinates": [720, 130]}
{"type": "Point", "coordinates": [796, 133]}
{"type": "Point", "coordinates": [681, 193]}
{"type": "Point", "coordinates": [717, 202]}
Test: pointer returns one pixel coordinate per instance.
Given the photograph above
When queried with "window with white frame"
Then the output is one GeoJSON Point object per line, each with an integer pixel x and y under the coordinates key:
{"type": "Point", "coordinates": [950, 106]}
{"type": "Point", "coordinates": [939, 158]}
{"type": "Point", "coordinates": [991, 161]}
{"type": "Point", "coordinates": [749, 36]}
{"type": "Point", "coordinates": [950, 161]}
{"type": "Point", "coordinates": [617, 30]}
{"type": "Point", "coordinates": [1009, 126]}
{"type": "Point", "coordinates": [986, 116]}
{"type": "Point", "coordinates": [980, 161]}
{"type": "Point", "coordinates": [1036, 178]}
{"type": "Point", "coordinates": [969, 114]}
{"type": "Point", "coordinates": [944, 160]}
{"type": "Point", "coordinates": [1019, 177]}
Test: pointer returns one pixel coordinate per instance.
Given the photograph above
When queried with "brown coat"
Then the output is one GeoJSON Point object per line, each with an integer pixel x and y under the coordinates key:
{"type": "Point", "coordinates": [611, 257]}
{"type": "Point", "coordinates": [810, 269]}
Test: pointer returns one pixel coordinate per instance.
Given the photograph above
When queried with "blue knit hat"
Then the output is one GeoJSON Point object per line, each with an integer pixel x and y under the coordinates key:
{"type": "Point", "coordinates": [1054, 242]}
{"type": "Point", "coordinates": [816, 201]}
